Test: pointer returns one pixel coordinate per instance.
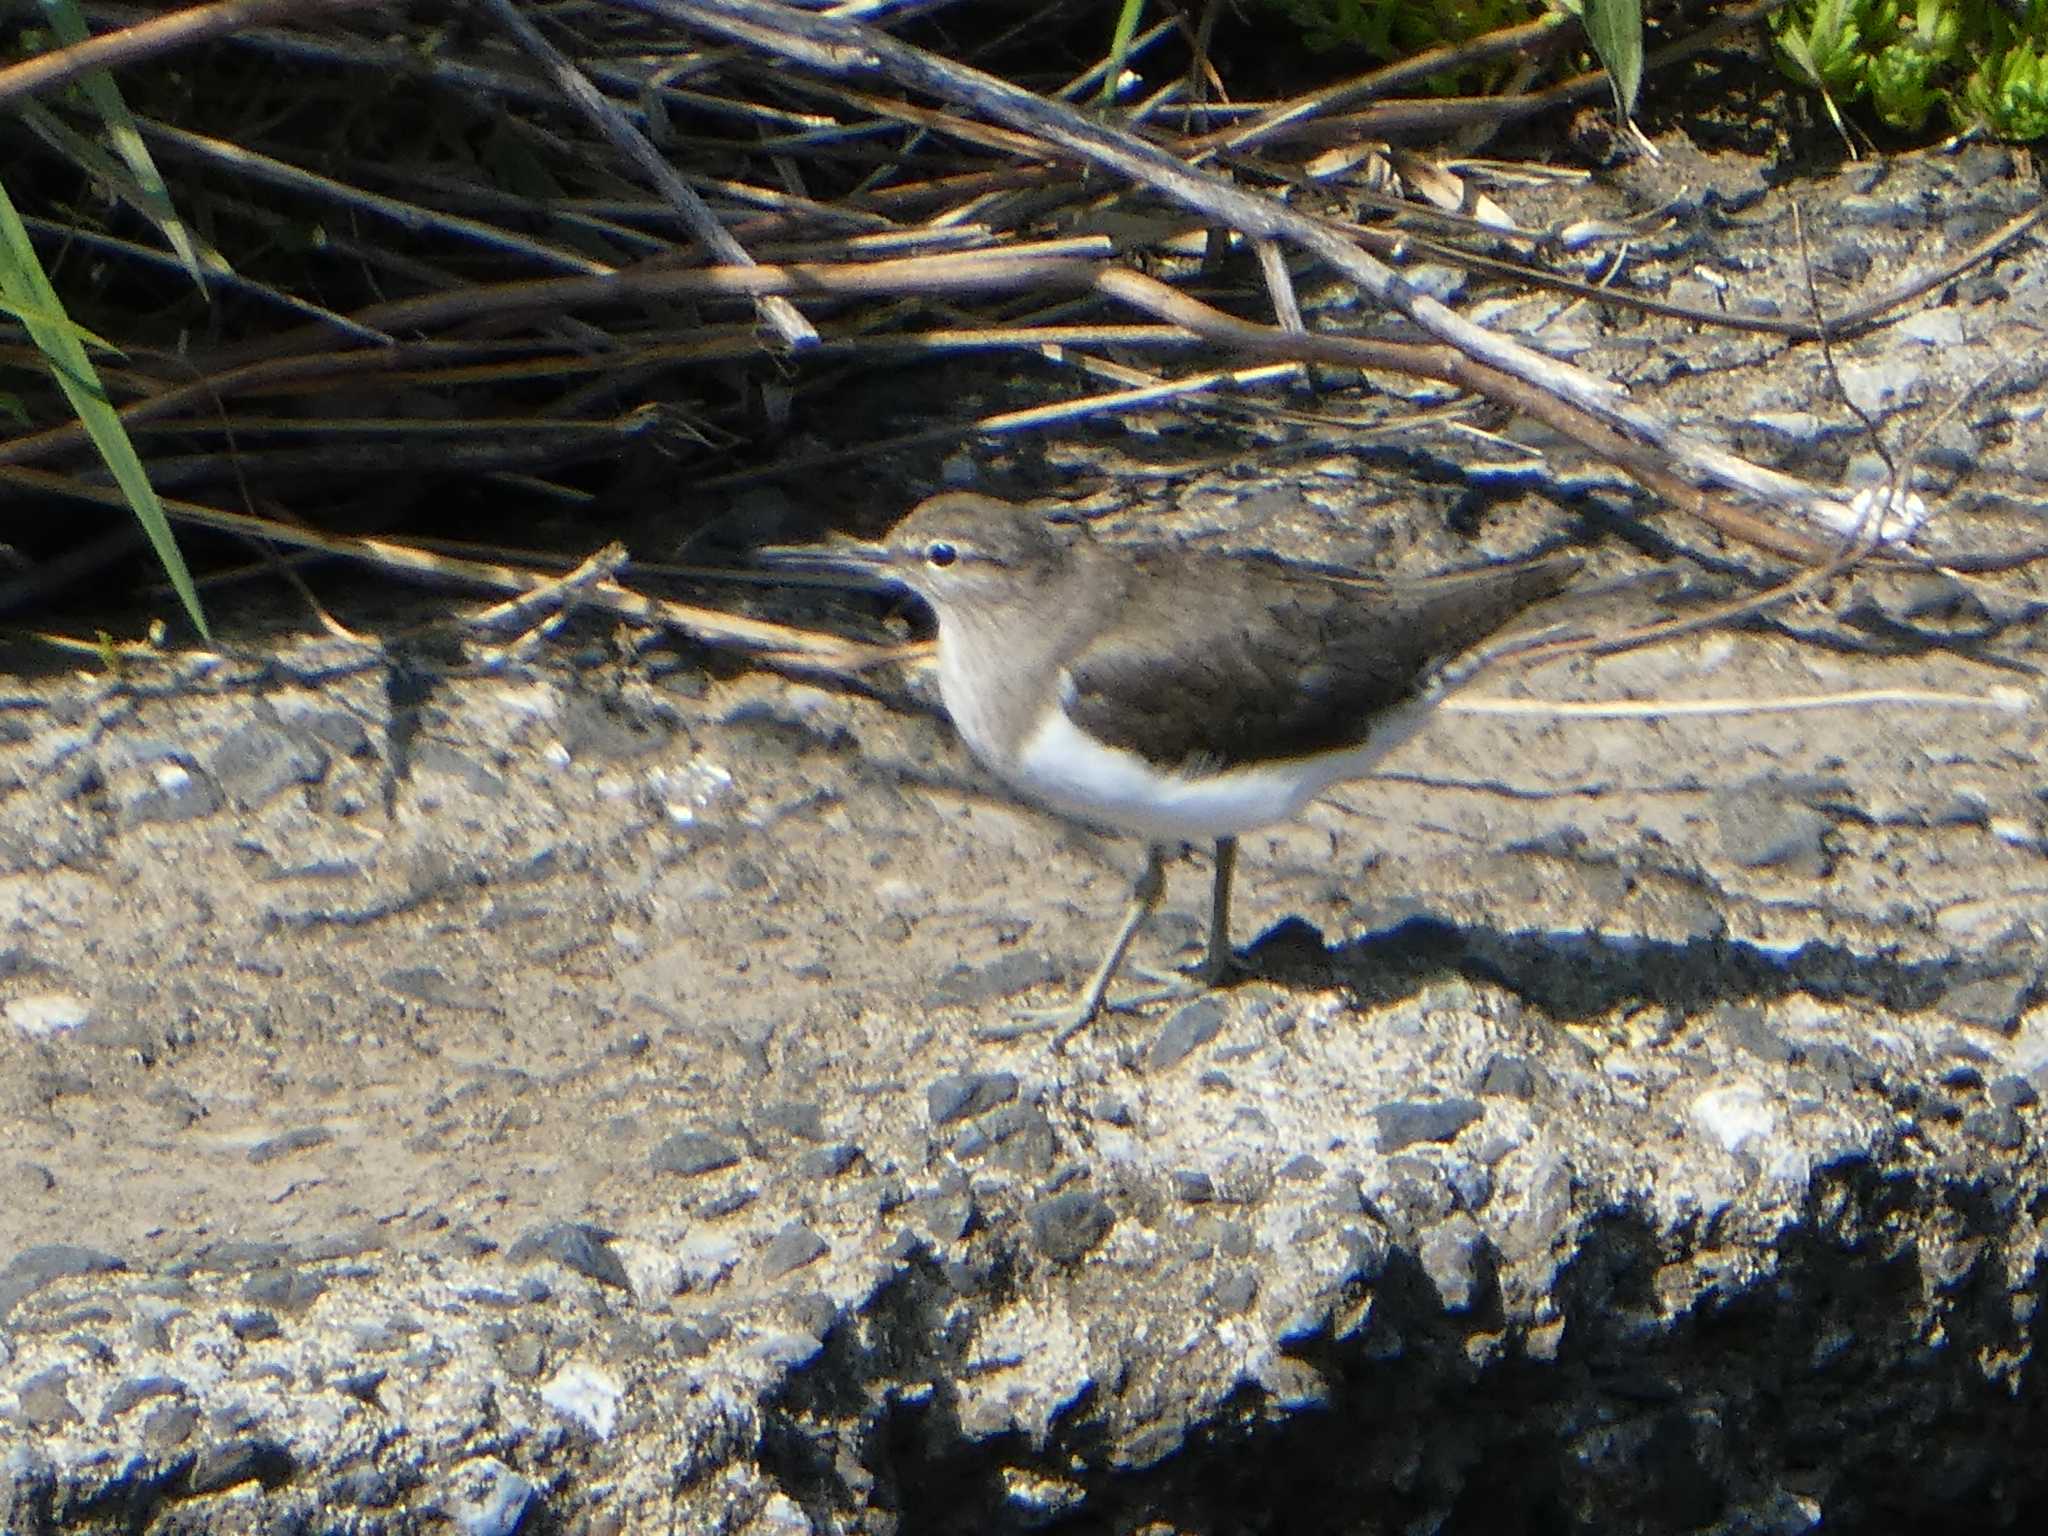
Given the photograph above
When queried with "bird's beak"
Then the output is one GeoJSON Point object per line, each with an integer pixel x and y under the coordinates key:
{"type": "Point", "coordinates": [841, 557]}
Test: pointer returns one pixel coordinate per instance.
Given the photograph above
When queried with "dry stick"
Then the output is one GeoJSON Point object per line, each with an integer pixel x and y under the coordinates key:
{"type": "Point", "coordinates": [1542, 647]}
{"type": "Point", "coordinates": [1202, 73]}
{"type": "Point", "coordinates": [147, 39]}
{"type": "Point", "coordinates": [1998, 696]}
{"type": "Point", "coordinates": [330, 428]}
{"type": "Point", "coordinates": [547, 608]}
{"type": "Point", "coordinates": [709, 625]}
{"type": "Point", "coordinates": [134, 380]}
{"type": "Point", "coordinates": [128, 250]}
{"type": "Point", "coordinates": [1049, 262]}
{"type": "Point", "coordinates": [449, 452]}
{"type": "Point", "coordinates": [270, 374]}
{"type": "Point", "coordinates": [262, 168]}
{"type": "Point", "coordinates": [1030, 267]}
{"type": "Point", "coordinates": [1381, 82]}
{"type": "Point", "coordinates": [1444, 114]}
{"type": "Point", "coordinates": [1452, 367]}
{"type": "Point", "coordinates": [574, 213]}
{"type": "Point", "coordinates": [1279, 285]}
{"type": "Point", "coordinates": [880, 245]}
{"type": "Point", "coordinates": [285, 568]}
{"type": "Point", "coordinates": [892, 109]}
{"type": "Point", "coordinates": [1142, 389]}
{"type": "Point", "coordinates": [1898, 494]}
{"type": "Point", "coordinates": [845, 48]}
{"type": "Point", "coordinates": [276, 360]}
{"type": "Point", "coordinates": [905, 201]}
{"type": "Point", "coordinates": [404, 62]}
{"type": "Point", "coordinates": [1910, 288]}
{"type": "Point", "coordinates": [1483, 47]}
{"type": "Point", "coordinates": [1405, 242]}
{"type": "Point", "coordinates": [1839, 327]}
{"type": "Point", "coordinates": [1022, 420]}
{"type": "Point", "coordinates": [1049, 341]}
{"type": "Point", "coordinates": [1040, 266]}
{"type": "Point", "coordinates": [1827, 351]}
{"type": "Point", "coordinates": [780, 315]}
{"type": "Point", "coordinates": [901, 9]}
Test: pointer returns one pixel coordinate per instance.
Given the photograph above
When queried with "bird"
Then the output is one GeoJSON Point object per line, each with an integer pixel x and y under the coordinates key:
{"type": "Point", "coordinates": [1174, 694]}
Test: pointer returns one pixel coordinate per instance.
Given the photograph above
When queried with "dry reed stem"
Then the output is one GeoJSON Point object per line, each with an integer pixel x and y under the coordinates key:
{"type": "Point", "coordinates": [806, 161]}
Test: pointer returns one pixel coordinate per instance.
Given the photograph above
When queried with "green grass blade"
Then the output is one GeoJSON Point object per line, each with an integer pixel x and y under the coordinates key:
{"type": "Point", "coordinates": [1120, 47]}
{"type": "Point", "coordinates": [26, 289]}
{"type": "Point", "coordinates": [1616, 30]}
{"type": "Point", "coordinates": [95, 162]}
{"type": "Point", "coordinates": [33, 315]}
{"type": "Point", "coordinates": [150, 194]}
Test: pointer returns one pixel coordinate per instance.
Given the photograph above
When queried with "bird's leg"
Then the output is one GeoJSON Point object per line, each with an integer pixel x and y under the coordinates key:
{"type": "Point", "coordinates": [1071, 1020]}
{"type": "Point", "coordinates": [1217, 966]}
{"type": "Point", "coordinates": [1218, 963]}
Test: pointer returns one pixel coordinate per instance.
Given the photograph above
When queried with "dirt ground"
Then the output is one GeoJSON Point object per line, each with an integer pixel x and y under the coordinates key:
{"type": "Point", "coordinates": [669, 999]}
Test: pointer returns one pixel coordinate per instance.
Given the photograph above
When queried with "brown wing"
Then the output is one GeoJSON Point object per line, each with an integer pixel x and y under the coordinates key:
{"type": "Point", "coordinates": [1270, 661]}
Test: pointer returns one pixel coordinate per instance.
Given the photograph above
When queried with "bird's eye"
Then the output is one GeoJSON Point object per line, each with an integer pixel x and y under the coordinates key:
{"type": "Point", "coordinates": [940, 554]}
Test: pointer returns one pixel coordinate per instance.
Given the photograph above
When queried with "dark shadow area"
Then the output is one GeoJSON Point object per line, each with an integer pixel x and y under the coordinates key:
{"type": "Point", "coordinates": [1872, 1380]}
{"type": "Point", "coordinates": [1571, 977]}
{"type": "Point", "coordinates": [883, 1402]}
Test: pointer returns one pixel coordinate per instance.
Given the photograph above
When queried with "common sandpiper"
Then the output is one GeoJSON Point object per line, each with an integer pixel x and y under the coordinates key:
{"type": "Point", "coordinates": [1170, 693]}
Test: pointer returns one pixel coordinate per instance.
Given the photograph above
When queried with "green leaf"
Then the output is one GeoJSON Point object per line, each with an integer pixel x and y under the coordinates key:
{"type": "Point", "coordinates": [1822, 43]}
{"type": "Point", "coordinates": [1616, 30]}
{"type": "Point", "coordinates": [35, 314]}
{"type": "Point", "coordinates": [147, 190]}
{"type": "Point", "coordinates": [25, 289]}
{"type": "Point", "coordinates": [1901, 80]}
{"type": "Point", "coordinates": [1119, 47]}
{"type": "Point", "coordinates": [2009, 94]}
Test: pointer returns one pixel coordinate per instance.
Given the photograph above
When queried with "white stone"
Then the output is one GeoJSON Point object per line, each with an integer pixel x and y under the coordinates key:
{"type": "Point", "coordinates": [587, 1395]}
{"type": "Point", "coordinates": [1734, 1114]}
{"type": "Point", "coordinates": [48, 1013]}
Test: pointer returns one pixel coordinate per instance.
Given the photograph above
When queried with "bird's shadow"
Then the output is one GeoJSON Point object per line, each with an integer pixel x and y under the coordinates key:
{"type": "Point", "coordinates": [1574, 977]}
{"type": "Point", "coordinates": [1566, 976]}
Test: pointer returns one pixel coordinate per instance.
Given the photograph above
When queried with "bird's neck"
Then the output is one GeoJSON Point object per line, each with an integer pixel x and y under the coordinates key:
{"type": "Point", "coordinates": [1001, 651]}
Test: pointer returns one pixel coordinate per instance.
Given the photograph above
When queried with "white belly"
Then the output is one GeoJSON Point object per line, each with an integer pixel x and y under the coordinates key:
{"type": "Point", "coordinates": [1080, 777]}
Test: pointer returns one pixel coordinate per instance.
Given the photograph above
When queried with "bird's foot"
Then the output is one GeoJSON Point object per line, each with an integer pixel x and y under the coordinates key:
{"type": "Point", "coordinates": [1169, 986]}
{"type": "Point", "coordinates": [1068, 1019]}
{"type": "Point", "coordinates": [1064, 1021]}
{"type": "Point", "coordinates": [1174, 983]}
